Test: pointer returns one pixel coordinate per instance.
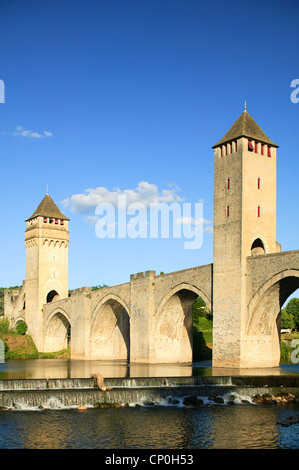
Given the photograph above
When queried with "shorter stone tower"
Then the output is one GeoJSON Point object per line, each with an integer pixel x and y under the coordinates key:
{"type": "Point", "coordinates": [46, 241]}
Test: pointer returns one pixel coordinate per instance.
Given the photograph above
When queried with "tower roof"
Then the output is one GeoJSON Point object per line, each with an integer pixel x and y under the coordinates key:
{"type": "Point", "coordinates": [245, 126]}
{"type": "Point", "coordinates": [48, 208]}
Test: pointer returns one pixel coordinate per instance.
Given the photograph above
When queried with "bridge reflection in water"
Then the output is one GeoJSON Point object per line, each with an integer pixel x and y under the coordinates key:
{"type": "Point", "coordinates": [69, 368]}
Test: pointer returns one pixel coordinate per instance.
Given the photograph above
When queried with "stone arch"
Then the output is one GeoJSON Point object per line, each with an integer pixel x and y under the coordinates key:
{"type": "Point", "coordinates": [257, 247]}
{"type": "Point", "coordinates": [173, 331]}
{"type": "Point", "coordinates": [265, 304]}
{"type": "Point", "coordinates": [186, 286]}
{"type": "Point", "coordinates": [263, 327]}
{"type": "Point", "coordinates": [16, 320]}
{"type": "Point", "coordinates": [57, 331]}
{"type": "Point", "coordinates": [110, 329]}
{"type": "Point", "coordinates": [52, 296]}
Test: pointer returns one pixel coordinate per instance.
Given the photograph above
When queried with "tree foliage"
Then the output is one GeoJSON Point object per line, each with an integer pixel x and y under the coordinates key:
{"type": "Point", "coordinates": [100, 286]}
{"type": "Point", "coordinates": [292, 308]}
{"type": "Point", "coordinates": [287, 320]}
{"type": "Point", "coordinates": [21, 327]}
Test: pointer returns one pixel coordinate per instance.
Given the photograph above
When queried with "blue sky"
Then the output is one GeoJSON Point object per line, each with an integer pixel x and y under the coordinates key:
{"type": "Point", "coordinates": [132, 94]}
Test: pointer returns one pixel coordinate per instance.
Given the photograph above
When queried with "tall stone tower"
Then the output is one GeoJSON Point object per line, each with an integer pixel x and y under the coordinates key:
{"type": "Point", "coordinates": [244, 225]}
{"type": "Point", "coordinates": [46, 241]}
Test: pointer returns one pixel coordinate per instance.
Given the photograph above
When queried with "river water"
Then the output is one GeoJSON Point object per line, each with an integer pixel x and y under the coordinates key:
{"type": "Point", "coordinates": [239, 426]}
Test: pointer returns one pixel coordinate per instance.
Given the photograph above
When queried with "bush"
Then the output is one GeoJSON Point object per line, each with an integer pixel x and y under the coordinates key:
{"type": "Point", "coordinates": [285, 350]}
{"type": "Point", "coordinates": [4, 325]}
{"type": "Point", "coordinates": [21, 327]}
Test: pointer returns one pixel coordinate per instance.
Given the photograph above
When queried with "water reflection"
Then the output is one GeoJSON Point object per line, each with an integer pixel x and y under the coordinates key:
{"type": "Point", "coordinates": [68, 368]}
{"type": "Point", "coordinates": [219, 427]}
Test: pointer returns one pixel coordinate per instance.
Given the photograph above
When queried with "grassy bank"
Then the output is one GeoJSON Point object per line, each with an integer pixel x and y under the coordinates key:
{"type": "Point", "coordinates": [19, 346]}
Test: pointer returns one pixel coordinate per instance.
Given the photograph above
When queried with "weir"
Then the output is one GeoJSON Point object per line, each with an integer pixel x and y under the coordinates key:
{"type": "Point", "coordinates": [142, 391]}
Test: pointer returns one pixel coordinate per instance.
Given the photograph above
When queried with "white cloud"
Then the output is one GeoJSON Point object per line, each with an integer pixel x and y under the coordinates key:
{"type": "Point", "coordinates": [20, 131]}
{"type": "Point", "coordinates": [191, 221]}
{"type": "Point", "coordinates": [145, 193]}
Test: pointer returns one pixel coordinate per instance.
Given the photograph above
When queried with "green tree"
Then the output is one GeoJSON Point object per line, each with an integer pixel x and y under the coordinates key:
{"type": "Point", "coordinates": [287, 320]}
{"type": "Point", "coordinates": [99, 287]}
{"type": "Point", "coordinates": [292, 308]}
{"type": "Point", "coordinates": [200, 309]}
{"type": "Point", "coordinates": [21, 327]}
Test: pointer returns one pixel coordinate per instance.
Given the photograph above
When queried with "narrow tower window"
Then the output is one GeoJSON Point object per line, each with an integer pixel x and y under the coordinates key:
{"type": "Point", "coordinates": [269, 152]}
{"type": "Point", "coordinates": [227, 211]}
{"type": "Point", "coordinates": [255, 147]}
{"type": "Point", "coordinates": [259, 183]}
{"type": "Point", "coordinates": [228, 183]}
{"type": "Point", "coordinates": [258, 211]}
{"type": "Point", "coordinates": [262, 149]}
{"type": "Point", "coordinates": [220, 151]}
{"type": "Point", "coordinates": [250, 146]}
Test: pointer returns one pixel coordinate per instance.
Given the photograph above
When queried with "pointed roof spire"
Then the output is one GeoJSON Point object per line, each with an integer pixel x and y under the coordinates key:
{"type": "Point", "coordinates": [48, 208]}
{"type": "Point", "coordinates": [245, 126]}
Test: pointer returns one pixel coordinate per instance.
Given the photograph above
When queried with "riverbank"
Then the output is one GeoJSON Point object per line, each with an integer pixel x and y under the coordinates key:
{"type": "Point", "coordinates": [23, 347]}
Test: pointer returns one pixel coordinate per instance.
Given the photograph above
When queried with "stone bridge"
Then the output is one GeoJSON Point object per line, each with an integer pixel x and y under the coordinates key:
{"type": "Point", "coordinates": [148, 319]}
{"type": "Point", "coordinates": [271, 280]}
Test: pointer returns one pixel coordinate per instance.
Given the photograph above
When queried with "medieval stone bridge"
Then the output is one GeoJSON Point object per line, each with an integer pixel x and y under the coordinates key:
{"type": "Point", "coordinates": [149, 319]}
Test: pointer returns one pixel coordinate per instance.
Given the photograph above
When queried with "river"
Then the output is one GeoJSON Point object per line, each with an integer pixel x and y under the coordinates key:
{"type": "Point", "coordinates": [241, 426]}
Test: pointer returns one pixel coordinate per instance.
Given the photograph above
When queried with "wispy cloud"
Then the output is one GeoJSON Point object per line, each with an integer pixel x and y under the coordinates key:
{"type": "Point", "coordinates": [145, 193]}
{"type": "Point", "coordinates": [20, 131]}
{"type": "Point", "coordinates": [190, 221]}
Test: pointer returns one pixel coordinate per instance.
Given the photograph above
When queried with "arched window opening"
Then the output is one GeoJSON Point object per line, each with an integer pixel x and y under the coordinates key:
{"type": "Point", "coordinates": [257, 248]}
{"type": "Point", "coordinates": [52, 296]}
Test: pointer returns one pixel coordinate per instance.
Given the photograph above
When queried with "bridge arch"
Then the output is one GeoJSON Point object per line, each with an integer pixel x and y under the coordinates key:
{"type": "Point", "coordinates": [110, 329]}
{"type": "Point", "coordinates": [264, 306]}
{"type": "Point", "coordinates": [173, 331]}
{"type": "Point", "coordinates": [16, 321]}
{"type": "Point", "coordinates": [263, 326]}
{"type": "Point", "coordinates": [57, 331]}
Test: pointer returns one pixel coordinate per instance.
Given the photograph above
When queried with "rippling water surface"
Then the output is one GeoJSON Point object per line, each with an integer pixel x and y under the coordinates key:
{"type": "Point", "coordinates": [220, 427]}
{"type": "Point", "coordinates": [244, 426]}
